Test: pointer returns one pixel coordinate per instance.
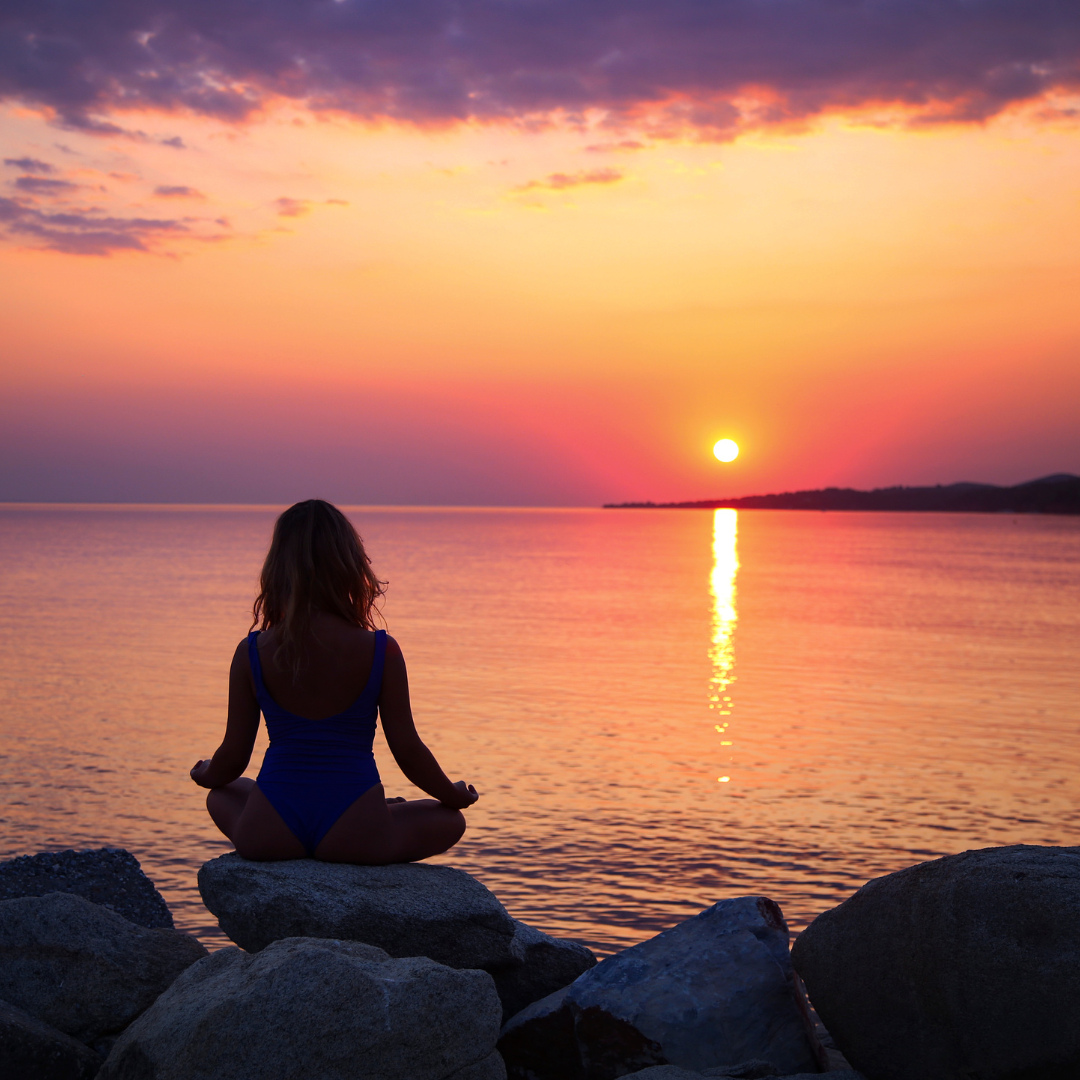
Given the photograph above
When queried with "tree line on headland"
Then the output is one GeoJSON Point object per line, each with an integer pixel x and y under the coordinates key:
{"type": "Point", "coordinates": [1057, 494]}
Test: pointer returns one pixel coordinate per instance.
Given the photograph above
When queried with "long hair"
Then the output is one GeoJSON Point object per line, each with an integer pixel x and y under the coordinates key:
{"type": "Point", "coordinates": [316, 562]}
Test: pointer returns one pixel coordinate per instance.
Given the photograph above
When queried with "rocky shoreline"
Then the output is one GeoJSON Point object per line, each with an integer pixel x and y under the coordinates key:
{"type": "Point", "coordinates": [964, 967]}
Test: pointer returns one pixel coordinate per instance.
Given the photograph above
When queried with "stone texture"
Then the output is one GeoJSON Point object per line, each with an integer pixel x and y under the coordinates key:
{"type": "Point", "coordinates": [82, 968]}
{"type": "Point", "coordinates": [409, 909]}
{"type": "Point", "coordinates": [32, 1050]}
{"type": "Point", "coordinates": [749, 1070]}
{"type": "Point", "coordinates": [548, 964]}
{"type": "Point", "coordinates": [968, 966]}
{"type": "Point", "coordinates": [109, 876]}
{"type": "Point", "coordinates": [715, 990]}
{"type": "Point", "coordinates": [306, 1008]}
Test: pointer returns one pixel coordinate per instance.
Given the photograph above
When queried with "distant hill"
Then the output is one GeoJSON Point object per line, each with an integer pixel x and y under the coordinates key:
{"type": "Point", "coordinates": [1057, 494]}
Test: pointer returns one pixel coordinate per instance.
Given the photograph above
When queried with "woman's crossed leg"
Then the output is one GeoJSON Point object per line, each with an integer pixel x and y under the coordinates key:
{"type": "Point", "coordinates": [373, 831]}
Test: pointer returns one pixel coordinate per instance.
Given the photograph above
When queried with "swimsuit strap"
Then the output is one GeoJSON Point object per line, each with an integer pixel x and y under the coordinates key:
{"type": "Point", "coordinates": [377, 664]}
{"type": "Point", "coordinates": [255, 662]}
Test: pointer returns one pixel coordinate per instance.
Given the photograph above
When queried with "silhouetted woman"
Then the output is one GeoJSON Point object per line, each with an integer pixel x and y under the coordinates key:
{"type": "Point", "coordinates": [320, 672]}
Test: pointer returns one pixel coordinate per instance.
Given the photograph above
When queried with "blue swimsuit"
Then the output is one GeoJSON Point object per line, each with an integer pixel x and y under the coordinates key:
{"type": "Point", "coordinates": [314, 770]}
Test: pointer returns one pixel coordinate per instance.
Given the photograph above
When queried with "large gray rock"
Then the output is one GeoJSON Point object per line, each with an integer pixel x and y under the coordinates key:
{"type": "Point", "coordinates": [548, 964]}
{"type": "Point", "coordinates": [32, 1050]}
{"type": "Point", "coordinates": [315, 1009]}
{"type": "Point", "coordinates": [408, 909]}
{"type": "Point", "coordinates": [968, 966]}
{"type": "Point", "coordinates": [109, 876]}
{"type": "Point", "coordinates": [715, 990]}
{"type": "Point", "coordinates": [82, 968]}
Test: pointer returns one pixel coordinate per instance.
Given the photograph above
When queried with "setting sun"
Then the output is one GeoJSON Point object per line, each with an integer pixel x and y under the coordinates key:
{"type": "Point", "coordinates": [726, 450]}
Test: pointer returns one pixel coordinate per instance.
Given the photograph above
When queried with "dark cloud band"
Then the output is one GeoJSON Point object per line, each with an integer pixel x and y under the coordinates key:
{"type": "Point", "coordinates": [685, 63]}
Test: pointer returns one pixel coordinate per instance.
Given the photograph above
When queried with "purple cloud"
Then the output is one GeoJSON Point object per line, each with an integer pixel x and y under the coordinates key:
{"type": "Point", "coordinates": [30, 165]}
{"type": "Point", "coordinates": [39, 185]}
{"type": "Point", "coordinates": [86, 233]}
{"type": "Point", "coordinates": [676, 64]}
{"type": "Point", "coordinates": [177, 191]}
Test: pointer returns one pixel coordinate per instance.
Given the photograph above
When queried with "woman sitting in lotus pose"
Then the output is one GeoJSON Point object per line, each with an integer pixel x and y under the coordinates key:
{"type": "Point", "coordinates": [319, 672]}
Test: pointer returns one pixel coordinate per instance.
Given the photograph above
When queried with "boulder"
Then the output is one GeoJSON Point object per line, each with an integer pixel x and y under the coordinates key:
{"type": "Point", "coordinates": [548, 964]}
{"type": "Point", "coordinates": [109, 876]}
{"type": "Point", "coordinates": [715, 990]}
{"type": "Point", "coordinates": [82, 968]}
{"type": "Point", "coordinates": [407, 909]}
{"type": "Point", "coordinates": [965, 966]}
{"type": "Point", "coordinates": [306, 1008]}
{"type": "Point", "coordinates": [32, 1050]}
{"type": "Point", "coordinates": [748, 1070]}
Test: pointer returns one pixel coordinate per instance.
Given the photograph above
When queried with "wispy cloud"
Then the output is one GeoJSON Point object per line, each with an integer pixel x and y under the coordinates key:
{"type": "Point", "coordinates": [177, 191]}
{"type": "Point", "coordinates": [664, 65]}
{"type": "Point", "coordinates": [560, 181]}
{"type": "Point", "coordinates": [84, 232]}
{"type": "Point", "coordinates": [41, 185]}
{"type": "Point", "coordinates": [287, 207]}
{"type": "Point", "coordinates": [30, 165]}
{"type": "Point", "coordinates": [621, 146]}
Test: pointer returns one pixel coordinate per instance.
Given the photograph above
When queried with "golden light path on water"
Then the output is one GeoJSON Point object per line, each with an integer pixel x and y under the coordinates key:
{"type": "Point", "coordinates": [724, 617]}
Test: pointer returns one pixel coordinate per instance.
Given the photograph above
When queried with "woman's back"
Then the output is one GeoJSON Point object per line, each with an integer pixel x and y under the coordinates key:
{"type": "Point", "coordinates": [335, 665]}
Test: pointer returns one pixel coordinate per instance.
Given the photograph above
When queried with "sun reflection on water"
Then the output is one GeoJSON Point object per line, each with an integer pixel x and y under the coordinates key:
{"type": "Point", "coordinates": [724, 616]}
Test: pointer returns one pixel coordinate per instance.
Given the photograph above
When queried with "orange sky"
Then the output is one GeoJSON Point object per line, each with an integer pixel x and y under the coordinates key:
{"type": "Point", "coordinates": [491, 312]}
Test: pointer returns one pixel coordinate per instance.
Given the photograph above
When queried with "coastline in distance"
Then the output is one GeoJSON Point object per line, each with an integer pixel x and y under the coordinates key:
{"type": "Point", "coordinates": [1056, 494]}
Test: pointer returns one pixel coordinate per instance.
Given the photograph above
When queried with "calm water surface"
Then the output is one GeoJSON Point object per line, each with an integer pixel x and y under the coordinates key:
{"type": "Point", "coordinates": [660, 708]}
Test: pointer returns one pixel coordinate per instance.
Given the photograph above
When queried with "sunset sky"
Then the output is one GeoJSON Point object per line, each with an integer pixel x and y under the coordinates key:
{"type": "Point", "coordinates": [537, 253]}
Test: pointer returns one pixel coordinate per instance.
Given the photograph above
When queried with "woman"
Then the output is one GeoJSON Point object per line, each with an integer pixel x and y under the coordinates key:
{"type": "Point", "coordinates": [319, 672]}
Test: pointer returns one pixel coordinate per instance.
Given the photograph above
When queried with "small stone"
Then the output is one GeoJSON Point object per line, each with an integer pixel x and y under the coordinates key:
{"type": "Point", "coordinates": [305, 1008]}
{"type": "Point", "coordinates": [548, 964]}
{"type": "Point", "coordinates": [82, 968]}
{"type": "Point", "coordinates": [33, 1050]}
{"type": "Point", "coordinates": [111, 877]}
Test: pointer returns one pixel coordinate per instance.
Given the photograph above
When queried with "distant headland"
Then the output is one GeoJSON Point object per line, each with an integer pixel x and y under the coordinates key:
{"type": "Point", "coordinates": [1057, 494]}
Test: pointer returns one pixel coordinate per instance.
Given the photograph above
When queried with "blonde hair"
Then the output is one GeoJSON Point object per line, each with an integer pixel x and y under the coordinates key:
{"type": "Point", "coordinates": [316, 562]}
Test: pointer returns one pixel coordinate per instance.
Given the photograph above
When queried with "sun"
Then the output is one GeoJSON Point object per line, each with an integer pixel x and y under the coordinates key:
{"type": "Point", "coordinates": [726, 450]}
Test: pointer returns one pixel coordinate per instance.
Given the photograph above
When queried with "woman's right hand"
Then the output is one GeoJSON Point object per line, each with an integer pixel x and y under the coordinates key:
{"type": "Point", "coordinates": [466, 793]}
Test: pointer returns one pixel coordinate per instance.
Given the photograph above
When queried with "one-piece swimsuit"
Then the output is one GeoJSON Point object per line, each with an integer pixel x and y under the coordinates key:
{"type": "Point", "coordinates": [314, 770]}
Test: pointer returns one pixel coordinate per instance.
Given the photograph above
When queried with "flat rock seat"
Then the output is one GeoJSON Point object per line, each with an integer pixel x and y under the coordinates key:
{"type": "Point", "coordinates": [407, 909]}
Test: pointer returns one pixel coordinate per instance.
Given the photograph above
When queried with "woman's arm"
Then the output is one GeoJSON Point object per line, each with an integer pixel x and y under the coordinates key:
{"type": "Point", "coordinates": [416, 761]}
{"type": "Point", "coordinates": [232, 756]}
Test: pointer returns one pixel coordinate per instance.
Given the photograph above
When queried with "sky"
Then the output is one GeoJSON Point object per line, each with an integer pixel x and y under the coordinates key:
{"type": "Point", "coordinates": [535, 252]}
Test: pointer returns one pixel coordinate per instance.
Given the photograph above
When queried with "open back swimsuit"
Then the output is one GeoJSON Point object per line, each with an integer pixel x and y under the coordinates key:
{"type": "Point", "coordinates": [314, 770]}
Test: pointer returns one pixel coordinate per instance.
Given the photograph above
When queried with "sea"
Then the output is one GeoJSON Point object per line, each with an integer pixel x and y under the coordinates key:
{"type": "Point", "coordinates": [660, 708]}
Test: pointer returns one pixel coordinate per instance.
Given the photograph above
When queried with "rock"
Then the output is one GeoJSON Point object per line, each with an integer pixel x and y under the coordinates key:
{"type": "Point", "coordinates": [715, 990]}
{"type": "Point", "coordinates": [548, 964]}
{"type": "Point", "coordinates": [315, 1009]}
{"type": "Point", "coordinates": [82, 968]}
{"type": "Point", "coordinates": [964, 966]}
{"type": "Point", "coordinates": [748, 1070]}
{"type": "Point", "coordinates": [408, 909]}
{"type": "Point", "coordinates": [32, 1050]}
{"type": "Point", "coordinates": [665, 1072]}
{"type": "Point", "coordinates": [109, 876]}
